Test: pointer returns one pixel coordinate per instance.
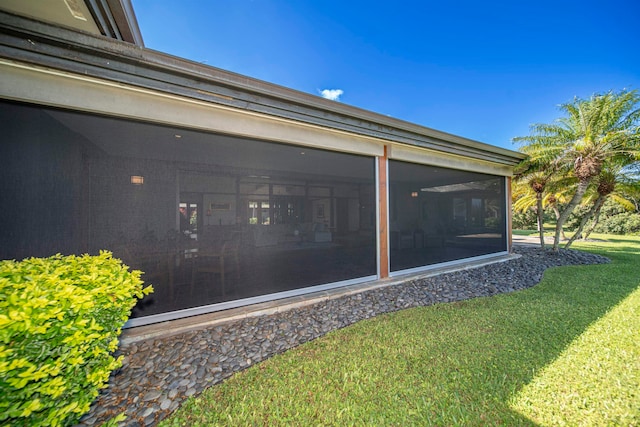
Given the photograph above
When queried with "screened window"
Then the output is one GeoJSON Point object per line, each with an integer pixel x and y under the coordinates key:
{"type": "Point", "coordinates": [439, 215]}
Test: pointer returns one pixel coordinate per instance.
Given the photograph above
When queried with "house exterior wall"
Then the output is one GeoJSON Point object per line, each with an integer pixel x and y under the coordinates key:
{"type": "Point", "coordinates": [235, 156]}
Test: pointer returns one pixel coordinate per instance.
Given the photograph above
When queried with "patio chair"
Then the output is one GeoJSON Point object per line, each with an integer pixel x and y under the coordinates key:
{"type": "Point", "coordinates": [221, 261]}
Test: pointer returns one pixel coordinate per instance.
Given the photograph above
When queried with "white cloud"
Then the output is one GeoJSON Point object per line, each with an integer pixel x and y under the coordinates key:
{"type": "Point", "coordinates": [332, 94]}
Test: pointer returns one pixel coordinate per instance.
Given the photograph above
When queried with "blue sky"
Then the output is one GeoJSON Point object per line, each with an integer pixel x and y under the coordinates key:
{"type": "Point", "coordinates": [482, 70]}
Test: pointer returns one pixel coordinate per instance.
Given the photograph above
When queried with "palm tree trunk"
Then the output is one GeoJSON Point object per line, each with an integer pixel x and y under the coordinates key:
{"type": "Point", "coordinates": [540, 218]}
{"type": "Point", "coordinates": [595, 208]}
{"type": "Point", "coordinates": [595, 222]}
{"type": "Point", "coordinates": [557, 213]}
{"type": "Point", "coordinates": [564, 215]}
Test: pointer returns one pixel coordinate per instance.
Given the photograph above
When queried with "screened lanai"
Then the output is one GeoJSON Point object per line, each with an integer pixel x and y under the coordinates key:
{"type": "Point", "coordinates": [208, 218]}
{"type": "Point", "coordinates": [225, 190]}
{"type": "Point", "coordinates": [439, 215]}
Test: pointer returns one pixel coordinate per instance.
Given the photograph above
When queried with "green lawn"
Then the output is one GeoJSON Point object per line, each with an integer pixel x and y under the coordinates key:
{"type": "Point", "coordinates": [525, 232]}
{"type": "Point", "coordinates": [549, 230]}
{"type": "Point", "coordinates": [565, 352]}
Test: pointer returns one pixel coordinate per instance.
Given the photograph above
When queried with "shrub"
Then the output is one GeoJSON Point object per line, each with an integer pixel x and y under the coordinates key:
{"type": "Point", "coordinates": [624, 223]}
{"type": "Point", "coordinates": [60, 318]}
{"type": "Point", "coordinates": [614, 219]}
{"type": "Point", "coordinates": [526, 220]}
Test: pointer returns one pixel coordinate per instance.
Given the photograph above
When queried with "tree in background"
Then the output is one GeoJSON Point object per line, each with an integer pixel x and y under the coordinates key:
{"type": "Point", "coordinates": [537, 187]}
{"type": "Point", "coordinates": [615, 183]}
{"type": "Point", "coordinates": [540, 194]}
{"type": "Point", "coordinates": [593, 133]}
{"type": "Point", "coordinates": [529, 186]}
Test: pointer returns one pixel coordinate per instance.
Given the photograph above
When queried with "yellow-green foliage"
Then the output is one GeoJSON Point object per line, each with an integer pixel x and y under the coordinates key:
{"type": "Point", "coordinates": [60, 319]}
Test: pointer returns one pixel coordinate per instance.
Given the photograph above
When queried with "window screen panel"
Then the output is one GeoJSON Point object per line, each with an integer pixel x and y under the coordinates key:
{"type": "Point", "coordinates": [209, 218]}
{"type": "Point", "coordinates": [440, 215]}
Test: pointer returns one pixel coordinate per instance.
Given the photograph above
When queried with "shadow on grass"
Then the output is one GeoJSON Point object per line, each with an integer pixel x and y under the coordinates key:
{"type": "Point", "coordinates": [491, 348]}
{"type": "Point", "coordinates": [531, 329]}
{"type": "Point", "coordinates": [609, 245]}
{"type": "Point", "coordinates": [594, 381]}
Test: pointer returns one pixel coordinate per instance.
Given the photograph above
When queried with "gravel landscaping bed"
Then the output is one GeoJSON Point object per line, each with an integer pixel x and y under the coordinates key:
{"type": "Point", "coordinates": [159, 374]}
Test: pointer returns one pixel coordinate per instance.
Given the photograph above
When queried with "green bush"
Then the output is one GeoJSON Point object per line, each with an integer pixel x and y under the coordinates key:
{"type": "Point", "coordinates": [614, 219]}
{"type": "Point", "coordinates": [60, 318]}
{"type": "Point", "coordinates": [624, 223]}
{"type": "Point", "coordinates": [524, 220]}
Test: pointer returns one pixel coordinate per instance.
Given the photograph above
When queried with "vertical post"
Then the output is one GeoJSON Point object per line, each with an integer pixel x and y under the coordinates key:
{"type": "Point", "coordinates": [509, 209]}
{"type": "Point", "coordinates": [383, 232]}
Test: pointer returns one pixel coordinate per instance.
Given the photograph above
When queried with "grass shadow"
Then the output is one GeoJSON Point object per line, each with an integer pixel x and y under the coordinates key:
{"type": "Point", "coordinates": [594, 381]}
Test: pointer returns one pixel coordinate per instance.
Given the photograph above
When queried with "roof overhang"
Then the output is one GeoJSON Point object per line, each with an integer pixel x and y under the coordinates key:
{"type": "Point", "coordinates": [111, 18]}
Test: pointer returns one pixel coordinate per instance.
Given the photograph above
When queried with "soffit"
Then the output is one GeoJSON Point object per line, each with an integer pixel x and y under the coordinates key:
{"type": "Point", "coordinates": [70, 13]}
{"type": "Point", "coordinates": [111, 18]}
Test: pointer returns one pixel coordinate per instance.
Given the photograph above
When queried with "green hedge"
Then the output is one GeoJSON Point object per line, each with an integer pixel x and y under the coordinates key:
{"type": "Point", "coordinates": [623, 223]}
{"type": "Point", "coordinates": [60, 318]}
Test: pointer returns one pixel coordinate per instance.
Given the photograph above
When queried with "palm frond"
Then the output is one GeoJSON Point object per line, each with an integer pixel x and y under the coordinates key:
{"type": "Point", "coordinates": [524, 203]}
{"type": "Point", "coordinates": [623, 201]}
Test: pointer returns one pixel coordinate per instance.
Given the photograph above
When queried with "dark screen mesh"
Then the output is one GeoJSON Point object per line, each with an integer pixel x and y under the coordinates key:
{"type": "Point", "coordinates": [439, 215]}
{"type": "Point", "coordinates": [208, 218]}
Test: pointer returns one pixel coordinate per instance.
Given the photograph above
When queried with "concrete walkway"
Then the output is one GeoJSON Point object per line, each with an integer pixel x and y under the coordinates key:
{"type": "Point", "coordinates": [533, 240]}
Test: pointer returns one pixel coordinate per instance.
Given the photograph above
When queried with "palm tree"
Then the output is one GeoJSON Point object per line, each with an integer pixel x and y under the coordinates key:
{"type": "Point", "coordinates": [530, 182]}
{"type": "Point", "coordinates": [605, 186]}
{"type": "Point", "coordinates": [537, 191]}
{"type": "Point", "coordinates": [557, 198]}
{"type": "Point", "coordinates": [601, 129]}
{"type": "Point", "coordinates": [615, 183]}
{"type": "Point", "coordinates": [538, 185]}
